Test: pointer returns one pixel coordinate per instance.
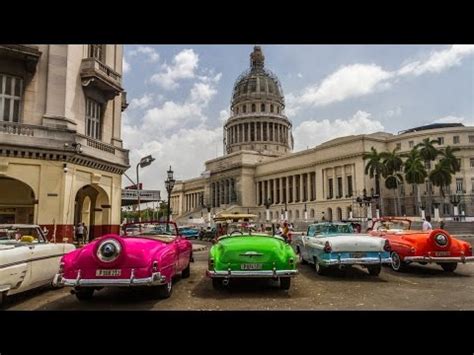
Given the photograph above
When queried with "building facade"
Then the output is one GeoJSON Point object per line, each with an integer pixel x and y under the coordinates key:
{"type": "Point", "coordinates": [61, 153]}
{"type": "Point", "coordinates": [259, 169]}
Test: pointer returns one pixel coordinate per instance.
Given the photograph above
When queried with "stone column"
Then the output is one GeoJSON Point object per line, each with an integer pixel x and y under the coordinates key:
{"type": "Point", "coordinates": [248, 131]}
{"type": "Point", "coordinates": [287, 187]}
{"type": "Point", "coordinates": [310, 188]}
{"type": "Point", "coordinates": [301, 188]}
{"type": "Point", "coordinates": [265, 191]}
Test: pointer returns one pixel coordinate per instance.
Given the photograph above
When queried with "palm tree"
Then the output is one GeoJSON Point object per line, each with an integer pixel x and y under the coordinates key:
{"type": "Point", "coordinates": [441, 175]}
{"type": "Point", "coordinates": [428, 153]}
{"type": "Point", "coordinates": [375, 169]}
{"type": "Point", "coordinates": [415, 173]}
{"type": "Point", "coordinates": [393, 165]}
{"type": "Point", "coordinates": [451, 159]}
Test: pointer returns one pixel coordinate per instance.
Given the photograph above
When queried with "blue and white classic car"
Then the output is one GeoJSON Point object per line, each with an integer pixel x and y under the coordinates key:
{"type": "Point", "coordinates": [329, 245]}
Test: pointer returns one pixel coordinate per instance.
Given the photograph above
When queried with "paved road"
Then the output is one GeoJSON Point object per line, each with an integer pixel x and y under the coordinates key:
{"type": "Point", "coordinates": [422, 287]}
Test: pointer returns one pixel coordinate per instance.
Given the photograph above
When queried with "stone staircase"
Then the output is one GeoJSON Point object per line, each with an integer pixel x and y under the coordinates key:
{"type": "Point", "coordinates": [458, 228]}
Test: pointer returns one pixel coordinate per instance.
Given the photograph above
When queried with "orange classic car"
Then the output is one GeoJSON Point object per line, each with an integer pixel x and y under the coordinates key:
{"type": "Point", "coordinates": [408, 246]}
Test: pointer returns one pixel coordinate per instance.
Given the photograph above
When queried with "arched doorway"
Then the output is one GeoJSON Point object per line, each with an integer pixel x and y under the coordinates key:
{"type": "Point", "coordinates": [17, 202]}
{"type": "Point", "coordinates": [329, 214]}
{"type": "Point", "coordinates": [92, 207]}
{"type": "Point", "coordinates": [339, 213]}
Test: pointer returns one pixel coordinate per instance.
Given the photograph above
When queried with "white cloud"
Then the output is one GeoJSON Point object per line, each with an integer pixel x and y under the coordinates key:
{"type": "Point", "coordinates": [149, 52]}
{"type": "Point", "coordinates": [454, 119]}
{"type": "Point", "coordinates": [438, 61]}
{"type": "Point", "coordinates": [184, 65]}
{"type": "Point", "coordinates": [141, 103]}
{"type": "Point", "coordinates": [125, 66]}
{"type": "Point", "coordinates": [299, 75]}
{"type": "Point", "coordinates": [358, 80]}
{"type": "Point", "coordinates": [202, 93]}
{"type": "Point", "coordinates": [223, 115]}
{"type": "Point", "coordinates": [312, 133]}
{"type": "Point", "coordinates": [397, 111]}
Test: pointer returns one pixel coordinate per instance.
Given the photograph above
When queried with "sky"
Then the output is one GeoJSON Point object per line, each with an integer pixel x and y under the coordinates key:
{"type": "Point", "coordinates": [179, 96]}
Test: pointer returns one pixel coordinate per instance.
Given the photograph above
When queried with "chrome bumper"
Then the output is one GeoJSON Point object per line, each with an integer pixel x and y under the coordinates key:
{"type": "Point", "coordinates": [356, 261]}
{"type": "Point", "coordinates": [440, 259]}
{"type": "Point", "coordinates": [251, 274]}
{"type": "Point", "coordinates": [154, 280]}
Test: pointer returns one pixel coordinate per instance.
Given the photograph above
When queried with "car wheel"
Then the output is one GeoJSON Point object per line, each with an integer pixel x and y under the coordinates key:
{"type": "Point", "coordinates": [449, 267]}
{"type": "Point", "coordinates": [397, 263]}
{"type": "Point", "coordinates": [186, 272]}
{"type": "Point", "coordinates": [320, 270]}
{"type": "Point", "coordinates": [164, 291]}
{"type": "Point", "coordinates": [285, 283]}
{"type": "Point", "coordinates": [84, 294]}
{"type": "Point", "coordinates": [300, 257]}
{"type": "Point", "coordinates": [374, 270]}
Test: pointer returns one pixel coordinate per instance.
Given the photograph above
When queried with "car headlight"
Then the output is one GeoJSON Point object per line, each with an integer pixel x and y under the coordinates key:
{"type": "Point", "coordinates": [441, 240]}
{"type": "Point", "coordinates": [109, 250]}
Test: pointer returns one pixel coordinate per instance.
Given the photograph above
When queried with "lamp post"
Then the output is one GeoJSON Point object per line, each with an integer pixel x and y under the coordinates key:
{"type": "Point", "coordinates": [145, 161]}
{"type": "Point", "coordinates": [267, 211]}
{"type": "Point", "coordinates": [169, 183]}
{"type": "Point", "coordinates": [305, 213]}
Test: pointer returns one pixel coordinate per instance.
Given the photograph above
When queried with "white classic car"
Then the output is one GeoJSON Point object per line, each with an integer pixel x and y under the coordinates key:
{"type": "Point", "coordinates": [27, 259]}
{"type": "Point", "coordinates": [329, 245]}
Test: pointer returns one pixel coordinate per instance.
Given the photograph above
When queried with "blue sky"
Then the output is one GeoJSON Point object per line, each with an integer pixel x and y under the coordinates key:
{"type": "Point", "coordinates": [179, 95]}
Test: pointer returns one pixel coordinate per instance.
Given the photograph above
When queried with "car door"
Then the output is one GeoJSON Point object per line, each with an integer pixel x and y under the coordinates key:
{"type": "Point", "coordinates": [15, 268]}
{"type": "Point", "coordinates": [183, 251]}
{"type": "Point", "coordinates": [45, 259]}
{"type": "Point", "coordinates": [305, 249]}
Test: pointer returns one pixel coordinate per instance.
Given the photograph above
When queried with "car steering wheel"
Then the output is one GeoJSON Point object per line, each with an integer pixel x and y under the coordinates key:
{"type": "Point", "coordinates": [236, 232]}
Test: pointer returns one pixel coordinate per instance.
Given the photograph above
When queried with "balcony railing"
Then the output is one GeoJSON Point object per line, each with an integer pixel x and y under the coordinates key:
{"type": "Point", "coordinates": [95, 73]}
{"type": "Point", "coordinates": [258, 114]}
{"type": "Point", "coordinates": [16, 129]}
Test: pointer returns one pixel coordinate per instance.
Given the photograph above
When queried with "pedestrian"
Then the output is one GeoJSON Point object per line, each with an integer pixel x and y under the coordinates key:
{"type": "Point", "coordinates": [80, 233]}
{"type": "Point", "coordinates": [426, 224]}
{"type": "Point", "coordinates": [285, 231]}
{"type": "Point", "coordinates": [442, 224]}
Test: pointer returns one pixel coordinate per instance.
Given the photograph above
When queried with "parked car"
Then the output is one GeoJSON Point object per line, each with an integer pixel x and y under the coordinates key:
{"type": "Point", "coordinates": [245, 254]}
{"type": "Point", "coordinates": [424, 247]}
{"type": "Point", "coordinates": [27, 259]}
{"type": "Point", "coordinates": [329, 245]}
{"type": "Point", "coordinates": [189, 232]}
{"type": "Point", "coordinates": [150, 256]}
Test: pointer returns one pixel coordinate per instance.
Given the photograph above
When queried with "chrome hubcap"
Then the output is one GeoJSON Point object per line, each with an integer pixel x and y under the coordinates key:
{"type": "Point", "coordinates": [395, 261]}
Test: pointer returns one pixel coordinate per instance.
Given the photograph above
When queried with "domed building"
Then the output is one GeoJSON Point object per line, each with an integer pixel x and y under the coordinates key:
{"type": "Point", "coordinates": [325, 182]}
{"type": "Point", "coordinates": [258, 122]}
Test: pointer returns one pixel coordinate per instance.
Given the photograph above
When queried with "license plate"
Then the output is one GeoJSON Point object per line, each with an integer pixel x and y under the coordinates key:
{"type": "Point", "coordinates": [441, 253]}
{"type": "Point", "coordinates": [108, 272]}
{"type": "Point", "coordinates": [251, 266]}
{"type": "Point", "coordinates": [358, 255]}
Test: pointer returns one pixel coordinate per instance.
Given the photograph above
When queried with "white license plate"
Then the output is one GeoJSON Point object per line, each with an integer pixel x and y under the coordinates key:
{"type": "Point", "coordinates": [108, 272]}
{"type": "Point", "coordinates": [441, 253]}
{"type": "Point", "coordinates": [251, 266]}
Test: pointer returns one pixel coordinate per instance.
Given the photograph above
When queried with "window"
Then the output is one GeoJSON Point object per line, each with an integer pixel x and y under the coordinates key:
{"type": "Point", "coordinates": [399, 145]}
{"type": "Point", "coordinates": [10, 98]}
{"type": "Point", "coordinates": [459, 185]}
{"type": "Point", "coordinates": [428, 165]}
{"type": "Point", "coordinates": [456, 140]}
{"type": "Point", "coordinates": [236, 110]}
{"type": "Point", "coordinates": [411, 144]}
{"type": "Point", "coordinates": [278, 111]}
{"type": "Point", "coordinates": [459, 162]}
{"type": "Point", "coordinates": [97, 51]}
{"type": "Point", "coordinates": [472, 162]}
{"type": "Point", "coordinates": [349, 186]}
{"type": "Point", "coordinates": [93, 119]}
{"type": "Point", "coordinates": [339, 187]}
{"type": "Point", "coordinates": [471, 139]}
{"type": "Point", "coordinates": [297, 214]}
{"type": "Point", "coordinates": [331, 189]}
{"type": "Point", "coordinates": [440, 140]}
{"type": "Point", "coordinates": [271, 108]}
{"type": "Point", "coordinates": [313, 186]}
{"type": "Point", "coordinates": [244, 109]}
{"type": "Point", "coordinates": [254, 108]}
{"type": "Point", "coordinates": [262, 108]}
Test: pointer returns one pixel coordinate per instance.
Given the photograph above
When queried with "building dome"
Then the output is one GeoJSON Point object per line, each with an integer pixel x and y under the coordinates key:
{"type": "Point", "coordinates": [257, 120]}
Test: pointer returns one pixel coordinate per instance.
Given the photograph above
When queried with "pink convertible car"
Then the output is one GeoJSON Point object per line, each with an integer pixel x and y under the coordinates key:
{"type": "Point", "coordinates": [147, 254]}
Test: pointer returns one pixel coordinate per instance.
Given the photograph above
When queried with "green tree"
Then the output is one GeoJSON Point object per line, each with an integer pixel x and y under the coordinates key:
{"type": "Point", "coordinates": [441, 175]}
{"type": "Point", "coordinates": [415, 173]}
{"type": "Point", "coordinates": [375, 168]}
{"type": "Point", "coordinates": [393, 178]}
{"type": "Point", "coordinates": [428, 153]}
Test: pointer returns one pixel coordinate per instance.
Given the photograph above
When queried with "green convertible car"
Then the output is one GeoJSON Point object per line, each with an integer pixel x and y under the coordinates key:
{"type": "Point", "coordinates": [251, 255]}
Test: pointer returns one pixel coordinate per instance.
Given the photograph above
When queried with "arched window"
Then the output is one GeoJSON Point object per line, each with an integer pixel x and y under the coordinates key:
{"type": "Point", "coordinates": [297, 214]}
{"type": "Point", "coordinates": [271, 108]}
{"type": "Point", "coordinates": [262, 108]}
{"type": "Point", "coordinates": [254, 108]}
{"type": "Point", "coordinates": [244, 108]}
{"type": "Point", "coordinates": [236, 110]}
{"type": "Point", "coordinates": [311, 213]}
{"type": "Point", "coordinates": [290, 215]}
{"type": "Point", "coordinates": [278, 109]}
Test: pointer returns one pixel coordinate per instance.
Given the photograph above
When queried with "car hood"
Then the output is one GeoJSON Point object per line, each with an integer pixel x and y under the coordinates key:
{"type": "Point", "coordinates": [136, 252]}
{"type": "Point", "coordinates": [263, 248]}
{"type": "Point", "coordinates": [350, 242]}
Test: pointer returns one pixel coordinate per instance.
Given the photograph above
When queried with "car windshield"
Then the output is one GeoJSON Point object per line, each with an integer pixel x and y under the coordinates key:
{"type": "Point", "coordinates": [330, 229]}
{"type": "Point", "coordinates": [392, 225]}
{"type": "Point", "coordinates": [161, 231]}
{"type": "Point", "coordinates": [19, 235]}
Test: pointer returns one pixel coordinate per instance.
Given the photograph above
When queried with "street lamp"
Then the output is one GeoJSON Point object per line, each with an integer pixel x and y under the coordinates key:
{"type": "Point", "coordinates": [169, 183]}
{"type": "Point", "coordinates": [267, 206]}
{"type": "Point", "coordinates": [305, 213]}
{"type": "Point", "coordinates": [145, 161]}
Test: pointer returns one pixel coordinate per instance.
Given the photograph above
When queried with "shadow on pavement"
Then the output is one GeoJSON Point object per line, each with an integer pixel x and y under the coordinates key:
{"type": "Point", "coordinates": [418, 270]}
{"type": "Point", "coordinates": [347, 274]}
